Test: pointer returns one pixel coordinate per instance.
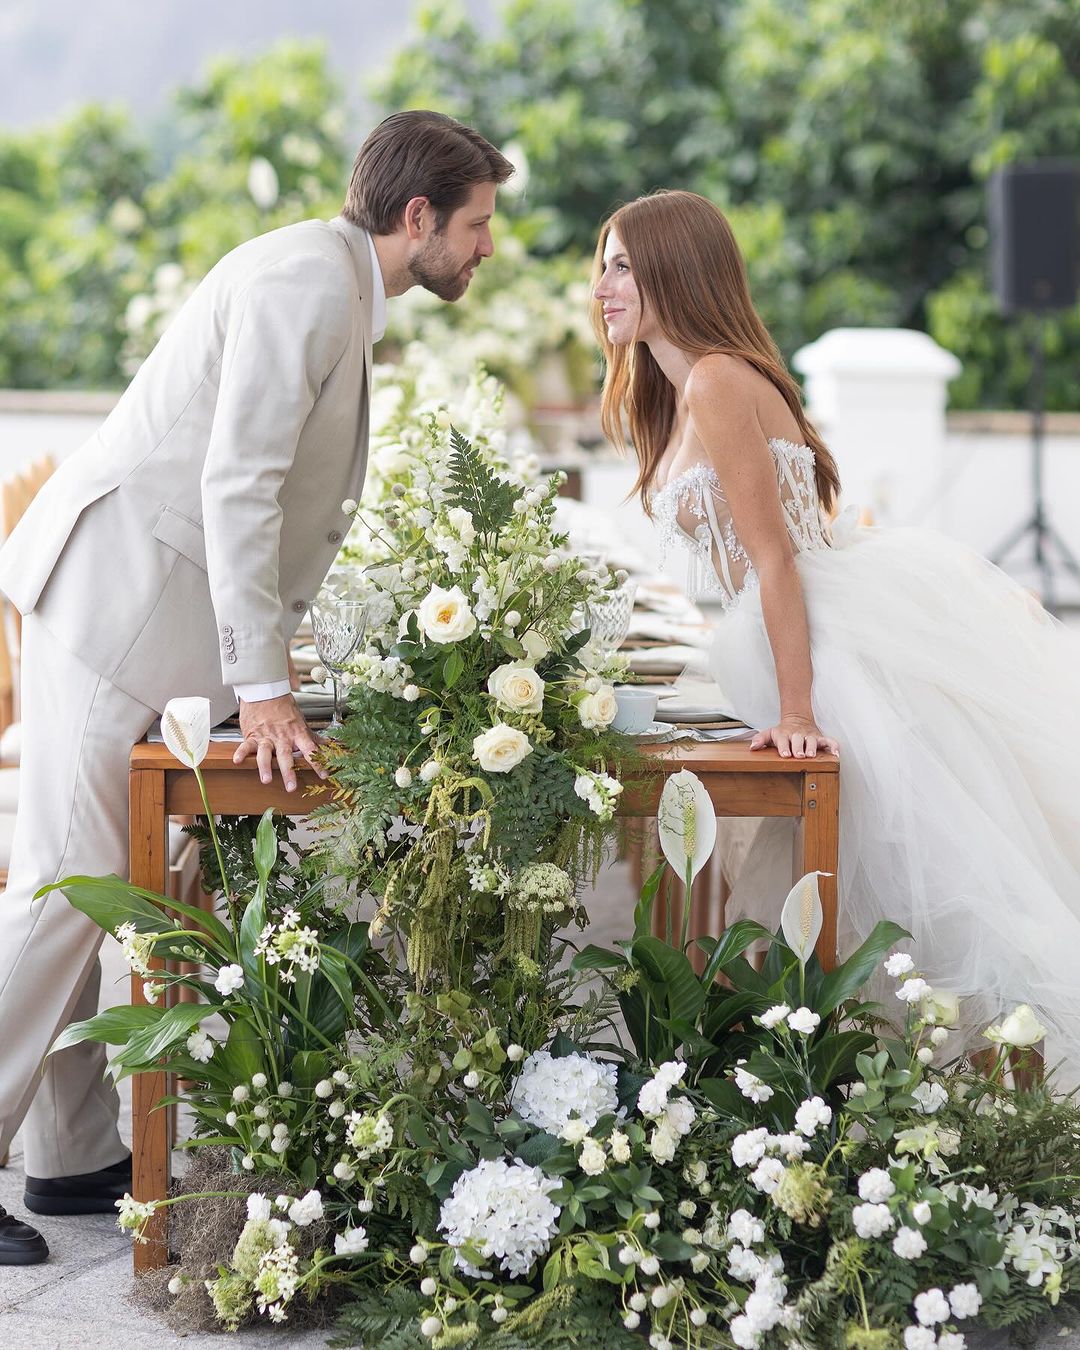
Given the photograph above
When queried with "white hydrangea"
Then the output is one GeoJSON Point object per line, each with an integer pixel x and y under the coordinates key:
{"type": "Point", "coordinates": [505, 1211]}
{"type": "Point", "coordinates": [551, 1091]}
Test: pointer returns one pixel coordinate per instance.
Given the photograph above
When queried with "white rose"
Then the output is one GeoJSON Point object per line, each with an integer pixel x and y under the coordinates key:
{"type": "Point", "coordinates": [391, 459]}
{"type": "Point", "coordinates": [942, 1006]}
{"type": "Point", "coordinates": [445, 616]}
{"type": "Point", "coordinates": [1021, 1027]}
{"type": "Point", "coordinates": [535, 644]}
{"type": "Point", "coordinates": [517, 688]}
{"type": "Point", "coordinates": [501, 748]}
{"type": "Point", "coordinates": [598, 710]}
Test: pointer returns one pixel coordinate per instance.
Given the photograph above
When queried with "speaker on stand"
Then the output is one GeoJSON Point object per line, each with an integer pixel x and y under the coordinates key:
{"type": "Point", "coordinates": [1034, 211]}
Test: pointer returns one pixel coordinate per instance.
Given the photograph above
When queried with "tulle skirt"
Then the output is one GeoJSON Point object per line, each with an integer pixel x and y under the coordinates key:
{"type": "Point", "coordinates": [956, 702]}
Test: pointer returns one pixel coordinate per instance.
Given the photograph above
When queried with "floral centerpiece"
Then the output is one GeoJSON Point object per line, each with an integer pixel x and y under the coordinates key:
{"type": "Point", "coordinates": [470, 1132]}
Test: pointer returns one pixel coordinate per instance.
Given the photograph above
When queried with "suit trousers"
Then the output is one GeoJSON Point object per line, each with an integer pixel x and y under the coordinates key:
{"type": "Point", "coordinates": [78, 731]}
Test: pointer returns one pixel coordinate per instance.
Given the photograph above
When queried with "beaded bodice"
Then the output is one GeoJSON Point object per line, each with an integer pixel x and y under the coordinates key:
{"type": "Point", "coordinates": [692, 510]}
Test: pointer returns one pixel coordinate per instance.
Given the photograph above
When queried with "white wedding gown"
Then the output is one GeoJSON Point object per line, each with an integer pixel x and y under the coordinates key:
{"type": "Point", "coordinates": [956, 701]}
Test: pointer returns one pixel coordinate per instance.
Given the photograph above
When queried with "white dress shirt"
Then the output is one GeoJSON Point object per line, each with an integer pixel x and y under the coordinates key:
{"type": "Point", "coordinates": [255, 693]}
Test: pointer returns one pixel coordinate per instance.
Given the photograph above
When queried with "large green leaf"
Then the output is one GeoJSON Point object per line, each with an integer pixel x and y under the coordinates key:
{"type": "Point", "coordinates": [833, 1058]}
{"type": "Point", "coordinates": [597, 958]}
{"type": "Point", "coordinates": [110, 901]}
{"type": "Point", "coordinates": [724, 1095]}
{"type": "Point", "coordinates": [644, 907]}
{"type": "Point", "coordinates": [243, 1054]}
{"type": "Point", "coordinates": [721, 1014]}
{"type": "Point", "coordinates": [732, 942]}
{"type": "Point", "coordinates": [265, 848]}
{"type": "Point", "coordinates": [173, 1024]}
{"type": "Point", "coordinates": [114, 1026]}
{"type": "Point", "coordinates": [847, 979]}
{"type": "Point", "coordinates": [672, 977]}
{"type": "Point", "coordinates": [251, 925]}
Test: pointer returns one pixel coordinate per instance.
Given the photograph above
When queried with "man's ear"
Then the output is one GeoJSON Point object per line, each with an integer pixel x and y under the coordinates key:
{"type": "Point", "coordinates": [418, 217]}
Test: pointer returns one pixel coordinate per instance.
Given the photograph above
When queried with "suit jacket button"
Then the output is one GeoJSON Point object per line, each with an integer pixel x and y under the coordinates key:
{"type": "Point", "coordinates": [226, 629]}
{"type": "Point", "coordinates": [231, 658]}
{"type": "Point", "coordinates": [299, 606]}
{"type": "Point", "coordinates": [334, 537]}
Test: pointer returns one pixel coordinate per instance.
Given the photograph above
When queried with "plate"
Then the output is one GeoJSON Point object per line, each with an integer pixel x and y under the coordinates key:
{"type": "Point", "coordinates": [656, 731]}
{"type": "Point", "coordinates": [670, 710]}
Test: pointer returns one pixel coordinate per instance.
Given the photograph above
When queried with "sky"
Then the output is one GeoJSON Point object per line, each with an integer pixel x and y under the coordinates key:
{"type": "Point", "coordinates": [58, 54]}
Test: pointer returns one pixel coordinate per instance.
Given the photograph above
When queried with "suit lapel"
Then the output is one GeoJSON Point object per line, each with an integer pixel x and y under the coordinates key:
{"type": "Point", "coordinates": [360, 254]}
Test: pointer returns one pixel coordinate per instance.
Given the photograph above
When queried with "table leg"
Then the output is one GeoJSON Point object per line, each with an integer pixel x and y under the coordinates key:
{"type": "Point", "coordinates": [821, 850]}
{"type": "Point", "coordinates": [150, 1147]}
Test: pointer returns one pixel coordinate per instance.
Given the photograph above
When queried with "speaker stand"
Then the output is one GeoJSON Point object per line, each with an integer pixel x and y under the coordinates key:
{"type": "Point", "coordinates": [1045, 540]}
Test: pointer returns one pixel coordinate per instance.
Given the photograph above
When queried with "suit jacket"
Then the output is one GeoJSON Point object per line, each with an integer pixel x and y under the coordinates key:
{"type": "Point", "coordinates": [176, 551]}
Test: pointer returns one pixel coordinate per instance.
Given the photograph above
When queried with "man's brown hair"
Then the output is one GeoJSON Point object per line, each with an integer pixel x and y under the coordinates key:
{"type": "Point", "coordinates": [419, 154]}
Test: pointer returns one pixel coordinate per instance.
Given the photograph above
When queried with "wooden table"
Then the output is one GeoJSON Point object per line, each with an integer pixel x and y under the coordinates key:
{"type": "Point", "coordinates": [740, 782]}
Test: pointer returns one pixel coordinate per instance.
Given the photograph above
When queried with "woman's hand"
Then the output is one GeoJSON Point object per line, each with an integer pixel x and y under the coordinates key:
{"type": "Point", "coordinates": [795, 737]}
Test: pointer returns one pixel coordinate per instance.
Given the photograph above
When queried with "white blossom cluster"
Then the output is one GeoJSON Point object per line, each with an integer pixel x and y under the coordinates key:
{"type": "Point", "coordinates": [289, 945]}
{"type": "Point", "coordinates": [550, 1092]}
{"type": "Point", "coordinates": [673, 1118]}
{"type": "Point", "coordinates": [503, 1211]}
{"type": "Point", "coordinates": [599, 791]}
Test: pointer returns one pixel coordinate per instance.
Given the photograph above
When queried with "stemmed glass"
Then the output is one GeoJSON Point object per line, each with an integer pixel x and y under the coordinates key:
{"type": "Point", "coordinates": [609, 616]}
{"type": "Point", "coordinates": [337, 626]}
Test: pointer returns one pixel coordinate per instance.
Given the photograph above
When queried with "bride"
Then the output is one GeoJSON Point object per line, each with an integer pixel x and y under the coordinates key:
{"type": "Point", "coordinates": [953, 695]}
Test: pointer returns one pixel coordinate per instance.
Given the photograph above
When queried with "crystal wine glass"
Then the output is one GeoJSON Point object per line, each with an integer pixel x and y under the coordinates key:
{"type": "Point", "coordinates": [337, 626]}
{"type": "Point", "coordinates": [609, 616]}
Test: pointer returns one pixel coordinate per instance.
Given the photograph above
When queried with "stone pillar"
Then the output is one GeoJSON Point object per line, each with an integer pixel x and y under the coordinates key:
{"type": "Point", "coordinates": [878, 396]}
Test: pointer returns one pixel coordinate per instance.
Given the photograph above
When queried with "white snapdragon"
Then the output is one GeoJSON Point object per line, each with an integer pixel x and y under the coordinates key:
{"type": "Point", "coordinates": [804, 1021]}
{"type": "Point", "coordinates": [930, 1097]}
{"type": "Point", "coordinates": [876, 1185]}
{"type": "Point", "coordinates": [229, 979]}
{"type": "Point", "coordinates": [811, 1114]}
{"type": "Point", "coordinates": [909, 1244]}
{"type": "Point", "coordinates": [772, 1017]}
{"type": "Point", "coordinates": [653, 1096]}
{"type": "Point", "coordinates": [750, 1085]}
{"type": "Point", "coordinates": [351, 1243]}
{"type": "Point", "coordinates": [872, 1220]}
{"type": "Point", "coordinates": [307, 1209]}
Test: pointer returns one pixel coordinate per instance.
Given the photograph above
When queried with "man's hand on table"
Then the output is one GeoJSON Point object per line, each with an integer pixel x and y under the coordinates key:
{"type": "Point", "coordinates": [275, 727]}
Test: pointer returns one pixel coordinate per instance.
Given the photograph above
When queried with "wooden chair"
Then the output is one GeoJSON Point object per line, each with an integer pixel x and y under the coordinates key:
{"type": "Point", "coordinates": [16, 494]}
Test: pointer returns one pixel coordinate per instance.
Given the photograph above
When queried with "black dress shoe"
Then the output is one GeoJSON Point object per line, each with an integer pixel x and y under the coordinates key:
{"type": "Point", "coordinates": [20, 1245]}
{"type": "Point", "coordinates": [91, 1193]}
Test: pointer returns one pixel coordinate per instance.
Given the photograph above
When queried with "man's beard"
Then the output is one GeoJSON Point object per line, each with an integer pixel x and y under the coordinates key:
{"type": "Point", "coordinates": [437, 272]}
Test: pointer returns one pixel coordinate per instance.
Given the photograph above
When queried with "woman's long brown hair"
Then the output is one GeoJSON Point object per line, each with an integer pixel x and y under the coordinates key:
{"type": "Point", "coordinates": [690, 273]}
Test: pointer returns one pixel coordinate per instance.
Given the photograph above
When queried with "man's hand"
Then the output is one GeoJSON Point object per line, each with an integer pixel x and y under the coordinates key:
{"type": "Point", "coordinates": [276, 727]}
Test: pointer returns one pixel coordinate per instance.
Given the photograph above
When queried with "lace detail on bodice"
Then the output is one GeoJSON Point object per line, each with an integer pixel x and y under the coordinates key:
{"type": "Point", "coordinates": [692, 510]}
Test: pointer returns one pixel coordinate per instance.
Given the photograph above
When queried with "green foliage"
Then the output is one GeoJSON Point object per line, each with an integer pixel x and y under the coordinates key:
{"type": "Point", "coordinates": [848, 141]}
{"type": "Point", "coordinates": [474, 487]}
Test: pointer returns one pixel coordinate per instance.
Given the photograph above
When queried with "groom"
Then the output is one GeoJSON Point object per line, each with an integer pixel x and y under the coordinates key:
{"type": "Point", "coordinates": [175, 553]}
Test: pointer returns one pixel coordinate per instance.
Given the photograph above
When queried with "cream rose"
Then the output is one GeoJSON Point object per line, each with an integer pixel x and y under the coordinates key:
{"type": "Point", "coordinates": [1020, 1028]}
{"type": "Point", "coordinates": [462, 523]}
{"type": "Point", "coordinates": [535, 644]}
{"type": "Point", "coordinates": [598, 710]}
{"type": "Point", "coordinates": [445, 616]}
{"type": "Point", "coordinates": [517, 688]}
{"type": "Point", "coordinates": [501, 748]}
{"type": "Point", "coordinates": [942, 1006]}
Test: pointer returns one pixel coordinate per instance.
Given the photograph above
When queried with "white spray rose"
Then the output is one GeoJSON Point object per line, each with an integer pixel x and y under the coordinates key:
{"type": "Point", "coordinates": [598, 710]}
{"type": "Point", "coordinates": [517, 688]}
{"type": "Point", "coordinates": [1021, 1027]}
{"type": "Point", "coordinates": [501, 748]}
{"type": "Point", "coordinates": [445, 616]}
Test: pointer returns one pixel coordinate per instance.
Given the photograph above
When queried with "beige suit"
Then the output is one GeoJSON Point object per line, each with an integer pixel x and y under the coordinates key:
{"type": "Point", "coordinates": [173, 554]}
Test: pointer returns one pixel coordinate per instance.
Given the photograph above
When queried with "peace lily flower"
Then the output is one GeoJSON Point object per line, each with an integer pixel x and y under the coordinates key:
{"type": "Point", "coordinates": [687, 824]}
{"type": "Point", "coordinates": [185, 728]}
{"type": "Point", "coordinates": [1020, 1028]}
{"type": "Point", "coordinates": [802, 916]}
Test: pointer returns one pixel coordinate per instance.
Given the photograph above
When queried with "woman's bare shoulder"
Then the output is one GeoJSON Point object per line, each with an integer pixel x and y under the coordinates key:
{"type": "Point", "coordinates": [722, 384]}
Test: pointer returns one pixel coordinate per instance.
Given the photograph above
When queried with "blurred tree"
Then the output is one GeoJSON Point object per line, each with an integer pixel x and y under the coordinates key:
{"type": "Point", "coordinates": [849, 140]}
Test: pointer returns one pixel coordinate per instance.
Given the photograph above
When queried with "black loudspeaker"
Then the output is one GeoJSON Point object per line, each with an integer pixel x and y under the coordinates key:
{"type": "Point", "coordinates": [1035, 235]}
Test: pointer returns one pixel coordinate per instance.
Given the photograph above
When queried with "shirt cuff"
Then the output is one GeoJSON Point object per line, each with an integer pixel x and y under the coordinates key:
{"type": "Point", "coordinates": [255, 693]}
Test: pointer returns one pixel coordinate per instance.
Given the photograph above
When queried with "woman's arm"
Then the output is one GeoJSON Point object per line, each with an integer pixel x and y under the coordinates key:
{"type": "Point", "coordinates": [720, 401]}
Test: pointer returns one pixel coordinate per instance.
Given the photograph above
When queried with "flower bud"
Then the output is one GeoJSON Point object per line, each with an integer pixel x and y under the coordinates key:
{"type": "Point", "coordinates": [514, 1052]}
{"type": "Point", "coordinates": [349, 506]}
{"type": "Point", "coordinates": [403, 777]}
